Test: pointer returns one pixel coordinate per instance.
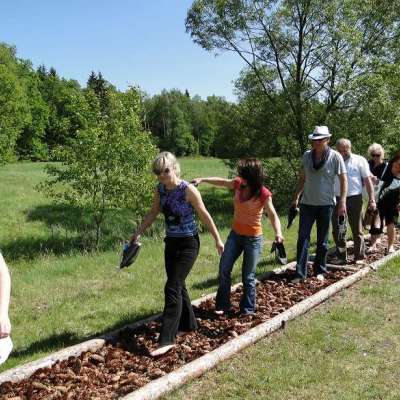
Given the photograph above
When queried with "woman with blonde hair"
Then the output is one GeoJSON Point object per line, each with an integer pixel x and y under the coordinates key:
{"type": "Point", "coordinates": [376, 156]}
{"type": "Point", "coordinates": [178, 201]}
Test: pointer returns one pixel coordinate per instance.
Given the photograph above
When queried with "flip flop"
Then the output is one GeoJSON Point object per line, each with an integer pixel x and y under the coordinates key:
{"type": "Point", "coordinates": [129, 254]}
{"type": "Point", "coordinates": [280, 252]}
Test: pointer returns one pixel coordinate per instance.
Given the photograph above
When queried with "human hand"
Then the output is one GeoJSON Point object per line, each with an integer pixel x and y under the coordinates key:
{"type": "Point", "coordinates": [5, 326]}
{"type": "Point", "coordinates": [374, 179]}
{"type": "Point", "coordinates": [342, 208]}
{"type": "Point", "coordinates": [371, 205]}
{"type": "Point", "coordinates": [196, 181]}
{"type": "Point", "coordinates": [220, 247]}
{"type": "Point", "coordinates": [134, 238]}
{"type": "Point", "coordinates": [279, 238]}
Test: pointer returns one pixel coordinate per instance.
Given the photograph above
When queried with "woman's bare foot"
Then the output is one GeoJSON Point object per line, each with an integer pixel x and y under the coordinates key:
{"type": "Point", "coordinates": [390, 250]}
{"type": "Point", "coordinates": [162, 350]}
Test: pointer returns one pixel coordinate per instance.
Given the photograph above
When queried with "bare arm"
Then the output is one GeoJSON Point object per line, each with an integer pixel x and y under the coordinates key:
{"type": "Point", "coordinates": [5, 288]}
{"type": "Point", "coordinates": [149, 218]}
{"type": "Point", "coordinates": [194, 198]}
{"type": "Point", "coordinates": [299, 189]}
{"type": "Point", "coordinates": [343, 194]}
{"type": "Point", "coordinates": [370, 190]}
{"type": "Point", "coordinates": [216, 181]}
{"type": "Point", "coordinates": [273, 217]}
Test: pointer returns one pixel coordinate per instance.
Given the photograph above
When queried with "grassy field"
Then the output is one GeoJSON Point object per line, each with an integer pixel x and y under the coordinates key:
{"type": "Point", "coordinates": [346, 349]}
{"type": "Point", "coordinates": [62, 295]}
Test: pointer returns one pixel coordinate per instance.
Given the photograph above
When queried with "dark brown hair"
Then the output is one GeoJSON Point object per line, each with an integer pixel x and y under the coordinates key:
{"type": "Point", "coordinates": [395, 158]}
{"type": "Point", "coordinates": [251, 170]}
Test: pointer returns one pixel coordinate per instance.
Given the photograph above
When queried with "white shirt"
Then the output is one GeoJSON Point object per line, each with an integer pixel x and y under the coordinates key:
{"type": "Point", "coordinates": [357, 170]}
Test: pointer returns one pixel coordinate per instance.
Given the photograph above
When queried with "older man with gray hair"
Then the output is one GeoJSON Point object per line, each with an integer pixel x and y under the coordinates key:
{"type": "Point", "coordinates": [358, 176]}
{"type": "Point", "coordinates": [320, 166]}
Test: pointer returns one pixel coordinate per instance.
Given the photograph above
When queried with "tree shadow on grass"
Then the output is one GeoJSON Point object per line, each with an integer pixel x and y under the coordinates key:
{"type": "Point", "coordinates": [69, 230]}
{"type": "Point", "coordinates": [206, 284]}
{"type": "Point", "coordinates": [219, 203]}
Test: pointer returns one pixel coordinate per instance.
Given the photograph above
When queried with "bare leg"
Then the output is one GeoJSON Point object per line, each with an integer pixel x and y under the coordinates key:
{"type": "Point", "coordinates": [374, 241]}
{"type": "Point", "coordinates": [391, 234]}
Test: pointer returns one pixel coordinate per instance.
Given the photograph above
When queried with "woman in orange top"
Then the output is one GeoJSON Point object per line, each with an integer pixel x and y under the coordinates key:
{"type": "Point", "coordinates": [251, 198]}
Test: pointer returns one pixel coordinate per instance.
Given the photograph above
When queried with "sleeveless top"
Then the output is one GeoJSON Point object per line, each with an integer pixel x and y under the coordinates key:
{"type": "Point", "coordinates": [248, 213]}
{"type": "Point", "coordinates": [178, 212]}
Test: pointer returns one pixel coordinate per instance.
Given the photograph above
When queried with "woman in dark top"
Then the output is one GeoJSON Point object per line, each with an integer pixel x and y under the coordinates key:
{"type": "Point", "coordinates": [178, 201]}
{"type": "Point", "coordinates": [388, 200]}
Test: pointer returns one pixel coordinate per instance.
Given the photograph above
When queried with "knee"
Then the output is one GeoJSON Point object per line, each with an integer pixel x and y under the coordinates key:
{"type": "Point", "coordinates": [172, 291]}
{"type": "Point", "coordinates": [249, 281]}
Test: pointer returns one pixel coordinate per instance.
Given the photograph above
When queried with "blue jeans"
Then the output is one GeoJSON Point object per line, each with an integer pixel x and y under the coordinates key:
{"type": "Point", "coordinates": [251, 246]}
{"type": "Point", "coordinates": [309, 215]}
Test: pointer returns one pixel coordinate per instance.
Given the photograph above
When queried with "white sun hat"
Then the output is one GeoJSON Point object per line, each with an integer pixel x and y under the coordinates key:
{"type": "Point", "coordinates": [320, 132]}
{"type": "Point", "coordinates": [6, 346]}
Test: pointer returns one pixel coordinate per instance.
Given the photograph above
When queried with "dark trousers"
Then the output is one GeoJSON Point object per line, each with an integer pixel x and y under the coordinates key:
{"type": "Point", "coordinates": [308, 216]}
{"type": "Point", "coordinates": [354, 214]}
{"type": "Point", "coordinates": [180, 255]}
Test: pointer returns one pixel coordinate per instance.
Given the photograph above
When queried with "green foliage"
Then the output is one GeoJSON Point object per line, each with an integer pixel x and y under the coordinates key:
{"type": "Point", "coordinates": [106, 166]}
{"type": "Point", "coordinates": [31, 141]}
{"type": "Point", "coordinates": [14, 110]}
{"type": "Point", "coordinates": [309, 53]}
{"type": "Point", "coordinates": [67, 109]}
{"type": "Point", "coordinates": [281, 179]}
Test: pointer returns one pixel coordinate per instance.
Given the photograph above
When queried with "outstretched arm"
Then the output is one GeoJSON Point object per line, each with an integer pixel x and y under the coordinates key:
{"type": "Point", "coordinates": [273, 217]}
{"type": "Point", "coordinates": [194, 198]}
{"type": "Point", "coordinates": [149, 218]}
{"type": "Point", "coordinates": [5, 288]}
{"type": "Point", "coordinates": [216, 181]}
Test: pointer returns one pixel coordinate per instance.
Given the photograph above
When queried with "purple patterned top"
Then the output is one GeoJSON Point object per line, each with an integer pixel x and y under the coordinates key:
{"type": "Point", "coordinates": [178, 212]}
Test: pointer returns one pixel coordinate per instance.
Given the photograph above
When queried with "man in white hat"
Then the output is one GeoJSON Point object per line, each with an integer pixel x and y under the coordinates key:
{"type": "Point", "coordinates": [316, 185]}
{"type": "Point", "coordinates": [358, 176]}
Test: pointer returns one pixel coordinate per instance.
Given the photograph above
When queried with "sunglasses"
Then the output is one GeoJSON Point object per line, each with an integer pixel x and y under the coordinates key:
{"type": "Point", "coordinates": [159, 172]}
{"type": "Point", "coordinates": [376, 155]}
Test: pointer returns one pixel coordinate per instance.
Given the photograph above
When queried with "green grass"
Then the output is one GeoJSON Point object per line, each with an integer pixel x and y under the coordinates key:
{"type": "Point", "coordinates": [62, 295]}
{"type": "Point", "coordinates": [348, 349]}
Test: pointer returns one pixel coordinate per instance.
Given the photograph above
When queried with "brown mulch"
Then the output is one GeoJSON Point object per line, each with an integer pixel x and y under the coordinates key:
{"type": "Point", "coordinates": [124, 365]}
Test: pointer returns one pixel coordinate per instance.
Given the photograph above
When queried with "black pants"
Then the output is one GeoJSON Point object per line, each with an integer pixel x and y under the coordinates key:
{"type": "Point", "coordinates": [180, 255]}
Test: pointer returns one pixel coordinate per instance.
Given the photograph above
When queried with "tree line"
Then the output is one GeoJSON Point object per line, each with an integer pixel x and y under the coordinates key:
{"type": "Point", "coordinates": [41, 112]}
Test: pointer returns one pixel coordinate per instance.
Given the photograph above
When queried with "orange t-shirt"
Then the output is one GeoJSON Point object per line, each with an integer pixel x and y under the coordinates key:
{"type": "Point", "coordinates": [247, 214]}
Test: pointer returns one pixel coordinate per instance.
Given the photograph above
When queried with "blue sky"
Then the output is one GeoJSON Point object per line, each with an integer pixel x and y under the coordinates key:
{"type": "Point", "coordinates": [132, 42]}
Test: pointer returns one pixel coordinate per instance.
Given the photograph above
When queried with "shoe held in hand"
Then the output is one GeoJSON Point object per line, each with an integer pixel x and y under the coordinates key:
{"type": "Point", "coordinates": [280, 252]}
{"type": "Point", "coordinates": [129, 254]}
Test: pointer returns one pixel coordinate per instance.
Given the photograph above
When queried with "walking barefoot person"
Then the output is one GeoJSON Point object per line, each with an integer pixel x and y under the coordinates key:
{"type": "Point", "coordinates": [388, 201]}
{"type": "Point", "coordinates": [251, 198]}
{"type": "Point", "coordinates": [316, 185]}
{"type": "Point", "coordinates": [5, 285]}
{"type": "Point", "coordinates": [178, 201]}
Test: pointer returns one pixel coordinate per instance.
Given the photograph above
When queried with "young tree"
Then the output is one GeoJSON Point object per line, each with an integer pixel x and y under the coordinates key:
{"type": "Point", "coordinates": [106, 166]}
